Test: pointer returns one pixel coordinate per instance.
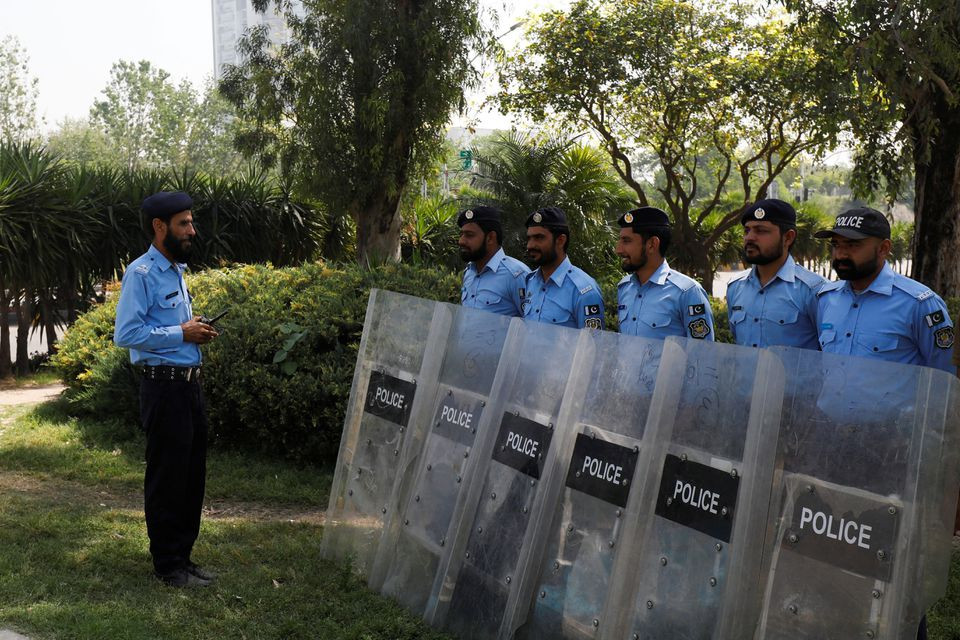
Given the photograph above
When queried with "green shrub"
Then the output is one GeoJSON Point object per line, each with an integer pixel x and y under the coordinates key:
{"type": "Point", "coordinates": [279, 377]}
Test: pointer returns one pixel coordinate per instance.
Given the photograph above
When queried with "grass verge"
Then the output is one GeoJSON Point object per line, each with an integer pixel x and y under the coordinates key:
{"type": "Point", "coordinates": [73, 546]}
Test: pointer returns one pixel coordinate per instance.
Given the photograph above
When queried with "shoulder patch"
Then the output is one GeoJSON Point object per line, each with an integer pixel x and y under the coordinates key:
{"type": "Point", "coordinates": [624, 280]}
{"type": "Point", "coordinates": [808, 277]}
{"type": "Point", "coordinates": [680, 280]}
{"type": "Point", "coordinates": [944, 337]}
{"type": "Point", "coordinates": [830, 286]}
{"type": "Point", "coordinates": [696, 309]}
{"type": "Point", "coordinates": [740, 275]}
{"type": "Point", "coordinates": [699, 329]}
{"type": "Point", "coordinates": [935, 318]}
{"type": "Point", "coordinates": [592, 323]}
{"type": "Point", "coordinates": [910, 286]}
{"type": "Point", "coordinates": [591, 310]}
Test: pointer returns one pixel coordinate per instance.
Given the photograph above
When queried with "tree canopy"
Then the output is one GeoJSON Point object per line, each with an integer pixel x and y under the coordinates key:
{"type": "Point", "coordinates": [18, 92]}
{"type": "Point", "coordinates": [359, 94]}
{"type": "Point", "coordinates": [693, 102]}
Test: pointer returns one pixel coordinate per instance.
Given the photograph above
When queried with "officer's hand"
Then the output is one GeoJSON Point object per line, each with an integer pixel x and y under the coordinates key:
{"type": "Point", "coordinates": [198, 332]}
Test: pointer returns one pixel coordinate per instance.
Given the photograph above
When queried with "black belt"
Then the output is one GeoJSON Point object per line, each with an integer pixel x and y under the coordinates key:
{"type": "Point", "coordinates": [165, 372]}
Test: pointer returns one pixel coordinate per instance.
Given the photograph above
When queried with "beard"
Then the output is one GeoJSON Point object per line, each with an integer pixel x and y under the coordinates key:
{"type": "Point", "coordinates": [181, 250]}
{"type": "Point", "coordinates": [760, 257]}
{"type": "Point", "coordinates": [539, 259]}
{"type": "Point", "coordinates": [850, 270]}
{"type": "Point", "coordinates": [472, 256]}
{"type": "Point", "coordinates": [632, 267]}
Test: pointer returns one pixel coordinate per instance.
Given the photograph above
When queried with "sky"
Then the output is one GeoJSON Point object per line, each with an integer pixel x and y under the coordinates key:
{"type": "Point", "coordinates": [72, 44]}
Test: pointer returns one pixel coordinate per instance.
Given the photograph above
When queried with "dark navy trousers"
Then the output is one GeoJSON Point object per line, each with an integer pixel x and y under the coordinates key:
{"type": "Point", "coordinates": [173, 414]}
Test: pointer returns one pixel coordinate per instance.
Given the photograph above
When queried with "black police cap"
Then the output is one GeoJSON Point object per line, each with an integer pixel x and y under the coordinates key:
{"type": "Point", "coordinates": [164, 204]}
{"type": "Point", "coordinates": [644, 218]}
{"type": "Point", "coordinates": [478, 214]}
{"type": "Point", "coordinates": [770, 210]}
{"type": "Point", "coordinates": [547, 217]}
{"type": "Point", "coordinates": [857, 224]}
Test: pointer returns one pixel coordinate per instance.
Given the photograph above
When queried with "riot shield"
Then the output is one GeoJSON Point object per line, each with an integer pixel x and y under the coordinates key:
{"type": "Point", "coordinates": [691, 566]}
{"type": "Point", "coordinates": [397, 365]}
{"type": "Point", "coordinates": [861, 523]}
{"type": "Point", "coordinates": [417, 544]}
{"type": "Point", "coordinates": [502, 506]}
{"type": "Point", "coordinates": [581, 527]}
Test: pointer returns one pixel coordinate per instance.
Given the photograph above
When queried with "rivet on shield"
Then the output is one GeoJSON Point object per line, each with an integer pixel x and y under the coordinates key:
{"type": "Point", "coordinates": [401, 429]}
{"type": "Point", "coordinates": [406, 522]}
{"type": "Point", "coordinates": [479, 529]}
{"type": "Point", "coordinates": [870, 633]}
{"type": "Point", "coordinates": [881, 555]}
{"type": "Point", "coordinates": [467, 555]}
{"type": "Point", "coordinates": [533, 483]}
{"type": "Point", "coordinates": [473, 430]}
{"type": "Point", "coordinates": [596, 622]}
{"type": "Point", "coordinates": [877, 593]}
{"type": "Point", "coordinates": [649, 604]}
{"type": "Point", "coordinates": [625, 482]}
{"type": "Point", "coordinates": [719, 546]}
{"type": "Point", "coordinates": [483, 403]}
{"type": "Point", "coordinates": [556, 565]}
{"type": "Point", "coordinates": [809, 488]}
{"type": "Point", "coordinates": [459, 479]}
{"type": "Point", "coordinates": [636, 636]}
{"type": "Point", "coordinates": [524, 510]}
{"type": "Point", "coordinates": [416, 498]}
{"type": "Point", "coordinates": [892, 511]}
{"type": "Point", "coordinates": [569, 527]}
{"type": "Point", "coordinates": [466, 454]}
{"type": "Point", "coordinates": [549, 425]}
{"type": "Point", "coordinates": [636, 449]}
{"type": "Point", "coordinates": [593, 436]}
{"type": "Point", "coordinates": [429, 467]}
{"type": "Point", "coordinates": [713, 582]}
{"type": "Point", "coordinates": [396, 452]}
{"type": "Point", "coordinates": [350, 493]}
{"type": "Point", "coordinates": [733, 473]}
{"type": "Point", "coordinates": [543, 594]}
{"type": "Point", "coordinates": [493, 496]}
{"type": "Point", "coordinates": [793, 609]}
{"type": "Point", "coordinates": [619, 513]}
{"type": "Point", "coordinates": [449, 392]}
{"type": "Point", "coordinates": [663, 561]}
{"type": "Point", "coordinates": [384, 510]}
{"type": "Point", "coordinates": [516, 413]}
{"type": "Point", "coordinates": [578, 474]}
{"type": "Point", "coordinates": [369, 442]}
{"type": "Point", "coordinates": [611, 543]}
{"type": "Point", "coordinates": [443, 541]}
{"type": "Point", "coordinates": [724, 511]}
{"type": "Point", "coordinates": [683, 457]}
{"type": "Point", "coordinates": [509, 580]}
{"type": "Point", "coordinates": [793, 538]}
{"type": "Point", "coordinates": [669, 501]}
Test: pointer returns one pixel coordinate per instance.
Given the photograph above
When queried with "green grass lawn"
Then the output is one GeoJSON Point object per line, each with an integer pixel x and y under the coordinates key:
{"type": "Point", "coordinates": [74, 561]}
{"type": "Point", "coordinates": [73, 546]}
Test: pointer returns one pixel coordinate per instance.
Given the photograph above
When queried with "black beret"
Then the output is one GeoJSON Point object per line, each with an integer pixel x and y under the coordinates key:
{"type": "Point", "coordinates": [164, 204]}
{"type": "Point", "coordinates": [478, 214]}
{"type": "Point", "coordinates": [857, 224]}
{"type": "Point", "coordinates": [770, 210]}
{"type": "Point", "coordinates": [644, 218]}
{"type": "Point", "coordinates": [547, 217]}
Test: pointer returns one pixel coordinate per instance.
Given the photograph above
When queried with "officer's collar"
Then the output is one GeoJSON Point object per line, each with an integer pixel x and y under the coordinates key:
{"type": "Point", "coordinates": [561, 272]}
{"type": "Point", "coordinates": [162, 262]}
{"type": "Point", "coordinates": [659, 277]}
{"type": "Point", "coordinates": [785, 273]}
{"type": "Point", "coordinates": [494, 262]}
{"type": "Point", "coordinates": [883, 283]}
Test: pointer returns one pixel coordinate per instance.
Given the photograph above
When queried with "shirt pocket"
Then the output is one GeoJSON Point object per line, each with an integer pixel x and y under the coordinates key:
{"type": "Point", "coordinates": [555, 313]}
{"type": "Point", "coordinates": [463, 294]}
{"type": "Point", "coordinates": [783, 316]}
{"type": "Point", "coordinates": [737, 317]}
{"type": "Point", "coordinates": [487, 298]}
{"type": "Point", "coordinates": [654, 319]}
{"type": "Point", "coordinates": [877, 342]}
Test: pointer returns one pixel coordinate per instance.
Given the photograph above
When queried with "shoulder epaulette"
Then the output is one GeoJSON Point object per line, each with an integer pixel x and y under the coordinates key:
{"type": "Point", "coordinates": [681, 281]}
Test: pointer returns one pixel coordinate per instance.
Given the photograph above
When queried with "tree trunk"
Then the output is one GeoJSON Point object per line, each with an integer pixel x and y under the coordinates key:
{"type": "Point", "coordinates": [49, 312]}
{"type": "Point", "coordinates": [24, 310]}
{"type": "Point", "coordinates": [937, 204]}
{"type": "Point", "coordinates": [691, 257]}
{"type": "Point", "coordinates": [378, 230]}
{"type": "Point", "coordinates": [5, 365]}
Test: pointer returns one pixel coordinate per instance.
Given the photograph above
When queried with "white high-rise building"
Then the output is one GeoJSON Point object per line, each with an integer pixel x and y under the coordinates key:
{"type": "Point", "coordinates": [231, 18]}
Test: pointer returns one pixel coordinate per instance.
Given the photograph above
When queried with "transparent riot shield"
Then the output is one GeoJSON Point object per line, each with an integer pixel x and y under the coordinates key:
{"type": "Point", "coordinates": [570, 577]}
{"type": "Point", "coordinates": [414, 550]}
{"type": "Point", "coordinates": [691, 563]}
{"type": "Point", "coordinates": [502, 505]}
{"type": "Point", "coordinates": [861, 522]}
{"type": "Point", "coordinates": [397, 365]}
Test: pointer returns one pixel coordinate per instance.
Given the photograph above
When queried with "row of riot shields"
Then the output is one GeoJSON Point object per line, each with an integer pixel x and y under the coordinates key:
{"type": "Point", "coordinates": [507, 479]}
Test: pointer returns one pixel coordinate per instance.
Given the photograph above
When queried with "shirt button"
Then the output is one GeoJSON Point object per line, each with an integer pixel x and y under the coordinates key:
{"type": "Point", "coordinates": [761, 293]}
{"type": "Point", "coordinates": [781, 322]}
{"type": "Point", "coordinates": [536, 310]}
{"type": "Point", "coordinates": [876, 349]}
{"type": "Point", "coordinates": [543, 288]}
{"type": "Point", "coordinates": [849, 334]}
{"type": "Point", "coordinates": [634, 318]}
{"type": "Point", "coordinates": [473, 296]}
{"type": "Point", "coordinates": [756, 319]}
{"type": "Point", "coordinates": [653, 324]}
{"type": "Point", "coordinates": [856, 305]}
{"type": "Point", "coordinates": [754, 344]}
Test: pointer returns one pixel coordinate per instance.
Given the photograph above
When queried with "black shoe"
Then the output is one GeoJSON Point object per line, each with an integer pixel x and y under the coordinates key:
{"type": "Point", "coordinates": [182, 578]}
{"type": "Point", "coordinates": [201, 573]}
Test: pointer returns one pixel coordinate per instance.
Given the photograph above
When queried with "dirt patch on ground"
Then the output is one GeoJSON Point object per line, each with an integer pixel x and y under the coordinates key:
{"type": "Point", "coordinates": [29, 395]}
{"type": "Point", "coordinates": [58, 490]}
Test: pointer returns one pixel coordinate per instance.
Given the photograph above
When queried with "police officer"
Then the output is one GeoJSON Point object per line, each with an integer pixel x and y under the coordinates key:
{"type": "Point", "coordinates": [873, 311]}
{"type": "Point", "coordinates": [654, 301]}
{"type": "Point", "coordinates": [774, 302]}
{"type": "Point", "coordinates": [558, 292]}
{"type": "Point", "coordinates": [492, 281]}
{"type": "Point", "coordinates": [155, 321]}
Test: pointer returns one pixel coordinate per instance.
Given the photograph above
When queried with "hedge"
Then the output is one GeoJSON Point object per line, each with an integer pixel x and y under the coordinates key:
{"type": "Point", "coordinates": [278, 379]}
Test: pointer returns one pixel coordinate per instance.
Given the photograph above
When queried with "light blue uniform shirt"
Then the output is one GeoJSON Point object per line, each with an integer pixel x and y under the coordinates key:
{"type": "Point", "coordinates": [668, 304]}
{"type": "Point", "coordinates": [569, 298]}
{"type": "Point", "coordinates": [499, 287]}
{"type": "Point", "coordinates": [895, 319]}
{"type": "Point", "coordinates": [782, 312]}
{"type": "Point", "coordinates": [153, 304]}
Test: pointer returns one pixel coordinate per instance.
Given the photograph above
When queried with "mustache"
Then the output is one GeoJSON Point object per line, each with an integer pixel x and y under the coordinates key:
{"type": "Point", "coordinates": [843, 263]}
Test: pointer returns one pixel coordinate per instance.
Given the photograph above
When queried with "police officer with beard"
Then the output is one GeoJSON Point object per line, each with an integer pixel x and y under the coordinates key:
{"type": "Point", "coordinates": [155, 321]}
{"type": "Point", "coordinates": [873, 311]}
{"type": "Point", "coordinates": [492, 281]}
{"type": "Point", "coordinates": [558, 292]}
{"type": "Point", "coordinates": [775, 302]}
{"type": "Point", "coordinates": [655, 301]}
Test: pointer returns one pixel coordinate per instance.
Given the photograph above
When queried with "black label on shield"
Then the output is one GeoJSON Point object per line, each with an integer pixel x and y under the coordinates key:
{"type": "Point", "coordinates": [602, 469]}
{"type": "Point", "coordinates": [522, 444]}
{"type": "Point", "coordinates": [457, 417]}
{"type": "Point", "coordinates": [390, 398]}
{"type": "Point", "coordinates": [852, 532]}
{"type": "Point", "coordinates": [698, 496]}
